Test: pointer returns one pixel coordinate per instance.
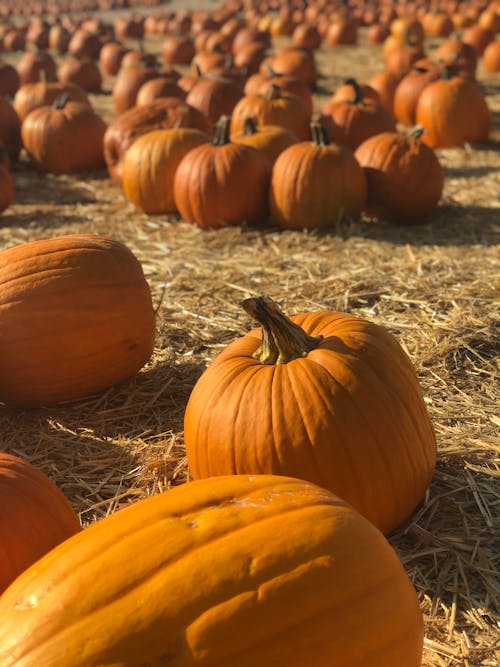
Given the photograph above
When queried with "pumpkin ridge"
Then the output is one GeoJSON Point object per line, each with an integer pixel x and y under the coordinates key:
{"type": "Point", "coordinates": [137, 583]}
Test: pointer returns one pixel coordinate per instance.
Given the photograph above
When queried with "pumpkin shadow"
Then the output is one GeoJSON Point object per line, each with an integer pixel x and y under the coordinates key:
{"type": "Point", "coordinates": [465, 172]}
{"type": "Point", "coordinates": [34, 187]}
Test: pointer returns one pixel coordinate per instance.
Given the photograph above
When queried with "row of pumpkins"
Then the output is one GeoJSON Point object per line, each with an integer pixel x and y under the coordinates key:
{"type": "Point", "coordinates": [307, 438]}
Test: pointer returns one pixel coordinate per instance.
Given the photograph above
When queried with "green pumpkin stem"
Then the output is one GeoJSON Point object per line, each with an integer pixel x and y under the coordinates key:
{"type": "Point", "coordinates": [358, 95]}
{"type": "Point", "coordinates": [319, 134]}
{"type": "Point", "coordinates": [273, 92]}
{"type": "Point", "coordinates": [249, 126]}
{"type": "Point", "coordinates": [282, 339]}
{"type": "Point", "coordinates": [60, 101]}
{"type": "Point", "coordinates": [416, 132]}
{"type": "Point", "coordinates": [222, 131]}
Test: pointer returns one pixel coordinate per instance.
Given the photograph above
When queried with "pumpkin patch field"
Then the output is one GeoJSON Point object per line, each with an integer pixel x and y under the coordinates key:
{"type": "Point", "coordinates": [249, 270]}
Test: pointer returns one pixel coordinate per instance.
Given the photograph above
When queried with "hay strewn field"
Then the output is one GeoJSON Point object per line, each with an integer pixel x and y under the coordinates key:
{"type": "Point", "coordinates": [432, 285]}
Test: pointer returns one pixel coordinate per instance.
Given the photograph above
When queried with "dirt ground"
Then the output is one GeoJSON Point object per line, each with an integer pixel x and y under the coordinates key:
{"type": "Point", "coordinates": [432, 285]}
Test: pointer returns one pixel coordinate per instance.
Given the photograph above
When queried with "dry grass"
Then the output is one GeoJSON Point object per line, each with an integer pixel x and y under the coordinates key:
{"type": "Point", "coordinates": [432, 285]}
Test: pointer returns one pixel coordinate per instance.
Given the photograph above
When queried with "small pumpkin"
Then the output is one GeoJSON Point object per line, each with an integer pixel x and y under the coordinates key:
{"type": "Point", "coordinates": [356, 119]}
{"type": "Point", "coordinates": [453, 110]}
{"type": "Point", "coordinates": [36, 66]}
{"type": "Point", "coordinates": [322, 396]}
{"type": "Point", "coordinates": [64, 138]}
{"type": "Point", "coordinates": [491, 57]}
{"type": "Point", "coordinates": [34, 517]}
{"type": "Point", "coordinates": [259, 83]}
{"type": "Point", "coordinates": [385, 83]}
{"type": "Point", "coordinates": [81, 72]}
{"type": "Point", "coordinates": [222, 183]}
{"type": "Point", "coordinates": [230, 571]}
{"type": "Point", "coordinates": [158, 88]}
{"type": "Point", "coordinates": [76, 317]}
{"type": "Point", "coordinates": [214, 96]}
{"type": "Point", "coordinates": [150, 164]}
{"type": "Point", "coordinates": [128, 84]}
{"type": "Point", "coordinates": [314, 184]}
{"type": "Point", "coordinates": [44, 93]}
{"type": "Point", "coordinates": [408, 91]}
{"type": "Point", "coordinates": [404, 177]}
{"type": "Point", "coordinates": [272, 140]}
{"type": "Point", "coordinates": [274, 107]}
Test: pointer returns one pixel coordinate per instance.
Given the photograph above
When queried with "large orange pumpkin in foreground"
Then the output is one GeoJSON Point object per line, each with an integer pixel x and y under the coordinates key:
{"type": "Point", "coordinates": [325, 397]}
{"type": "Point", "coordinates": [227, 572]}
{"type": "Point", "coordinates": [34, 517]}
{"type": "Point", "coordinates": [76, 317]}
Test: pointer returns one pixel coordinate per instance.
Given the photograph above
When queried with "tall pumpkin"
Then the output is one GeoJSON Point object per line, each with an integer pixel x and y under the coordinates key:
{"type": "Point", "coordinates": [34, 517]}
{"type": "Point", "coordinates": [75, 318]}
{"type": "Point", "coordinates": [231, 571]}
{"type": "Point", "coordinates": [326, 397]}
{"type": "Point", "coordinates": [314, 184]}
{"type": "Point", "coordinates": [222, 183]}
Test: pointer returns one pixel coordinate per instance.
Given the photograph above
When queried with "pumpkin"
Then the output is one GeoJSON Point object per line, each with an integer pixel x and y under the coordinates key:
{"type": "Point", "coordinates": [404, 177]}
{"type": "Point", "coordinates": [222, 183]}
{"type": "Point", "coordinates": [460, 57]}
{"type": "Point", "coordinates": [76, 317]}
{"type": "Point", "coordinates": [158, 88]}
{"type": "Point", "coordinates": [453, 110]}
{"type": "Point", "coordinates": [385, 83]}
{"type": "Point", "coordinates": [80, 72]}
{"type": "Point", "coordinates": [342, 31]}
{"type": "Point", "coordinates": [9, 80]}
{"type": "Point", "coordinates": [326, 397]}
{"type": "Point", "coordinates": [231, 571]}
{"type": "Point", "coordinates": [160, 114]}
{"type": "Point", "coordinates": [409, 90]}
{"type": "Point", "coordinates": [36, 66]}
{"type": "Point", "coordinates": [64, 138]}
{"type": "Point", "coordinates": [34, 517]}
{"type": "Point", "coordinates": [314, 184]}
{"type": "Point", "coordinates": [491, 57]}
{"type": "Point", "coordinates": [10, 129]}
{"type": "Point", "coordinates": [110, 58]}
{"type": "Point", "coordinates": [295, 61]}
{"type": "Point", "coordinates": [150, 164]}
{"type": "Point", "coordinates": [270, 139]}
{"type": "Point", "coordinates": [259, 83]}
{"type": "Point", "coordinates": [344, 92]}
{"type": "Point", "coordinates": [274, 107]}
{"type": "Point", "coordinates": [178, 49]}
{"type": "Point", "coordinates": [59, 38]}
{"type": "Point", "coordinates": [214, 96]}
{"type": "Point", "coordinates": [34, 95]}
{"type": "Point", "coordinates": [128, 84]}
{"type": "Point", "coordinates": [85, 44]}
{"type": "Point", "coordinates": [356, 119]}
{"type": "Point", "coordinates": [478, 38]}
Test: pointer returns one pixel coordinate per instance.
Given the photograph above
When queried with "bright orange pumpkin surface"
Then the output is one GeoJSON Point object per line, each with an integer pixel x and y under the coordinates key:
{"type": "Point", "coordinates": [232, 571]}
{"type": "Point", "coordinates": [34, 517]}
{"type": "Point", "coordinates": [76, 317]}
{"type": "Point", "coordinates": [344, 411]}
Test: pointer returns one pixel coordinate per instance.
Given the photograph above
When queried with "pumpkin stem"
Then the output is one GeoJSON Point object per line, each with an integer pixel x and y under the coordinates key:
{"type": "Point", "coordinates": [222, 131]}
{"type": "Point", "coordinates": [416, 132]}
{"type": "Point", "coordinates": [358, 95]}
{"type": "Point", "coordinates": [249, 126]}
{"type": "Point", "coordinates": [60, 101]}
{"type": "Point", "coordinates": [273, 92]}
{"type": "Point", "coordinates": [319, 134]}
{"type": "Point", "coordinates": [446, 73]}
{"type": "Point", "coordinates": [282, 339]}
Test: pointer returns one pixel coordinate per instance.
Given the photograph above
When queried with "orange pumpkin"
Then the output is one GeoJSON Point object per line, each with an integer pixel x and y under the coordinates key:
{"type": "Point", "coordinates": [409, 90]}
{"type": "Point", "coordinates": [314, 184]}
{"type": "Point", "coordinates": [272, 140]}
{"type": "Point", "coordinates": [76, 317]}
{"type": "Point", "coordinates": [404, 177]}
{"type": "Point", "coordinates": [34, 95]}
{"type": "Point", "coordinates": [325, 397]}
{"type": "Point", "coordinates": [65, 137]}
{"type": "Point", "coordinates": [232, 571]}
{"type": "Point", "coordinates": [34, 517]}
{"type": "Point", "coordinates": [222, 183]}
{"type": "Point", "coordinates": [150, 164]}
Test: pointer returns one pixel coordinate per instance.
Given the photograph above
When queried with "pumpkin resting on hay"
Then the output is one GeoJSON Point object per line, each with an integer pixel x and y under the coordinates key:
{"type": "Point", "coordinates": [34, 517]}
{"type": "Point", "coordinates": [325, 397]}
{"type": "Point", "coordinates": [230, 571]}
{"type": "Point", "coordinates": [76, 317]}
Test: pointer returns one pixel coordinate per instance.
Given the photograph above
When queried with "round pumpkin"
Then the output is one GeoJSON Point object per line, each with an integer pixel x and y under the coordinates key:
{"type": "Point", "coordinates": [404, 177]}
{"type": "Point", "coordinates": [214, 96]}
{"type": "Point", "coordinates": [231, 571]}
{"type": "Point", "coordinates": [44, 93]}
{"type": "Point", "coordinates": [150, 164]}
{"type": "Point", "coordinates": [64, 138]}
{"type": "Point", "coordinates": [314, 184]}
{"type": "Point", "coordinates": [491, 57]}
{"type": "Point", "coordinates": [222, 183]}
{"type": "Point", "coordinates": [76, 317]}
{"type": "Point", "coordinates": [324, 396]}
{"type": "Point", "coordinates": [34, 517]}
{"type": "Point", "coordinates": [453, 110]}
{"type": "Point", "coordinates": [270, 139]}
{"type": "Point", "coordinates": [408, 91]}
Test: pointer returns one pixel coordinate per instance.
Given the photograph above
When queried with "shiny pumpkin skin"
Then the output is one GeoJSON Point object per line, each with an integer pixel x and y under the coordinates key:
{"type": "Point", "coordinates": [219, 186]}
{"type": "Point", "coordinates": [453, 111]}
{"type": "Point", "coordinates": [348, 416]}
{"type": "Point", "coordinates": [404, 177]}
{"type": "Point", "coordinates": [34, 517]}
{"type": "Point", "coordinates": [314, 186]}
{"type": "Point", "coordinates": [150, 164]}
{"type": "Point", "coordinates": [221, 572]}
{"type": "Point", "coordinates": [272, 140]}
{"type": "Point", "coordinates": [76, 318]}
{"type": "Point", "coordinates": [66, 140]}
